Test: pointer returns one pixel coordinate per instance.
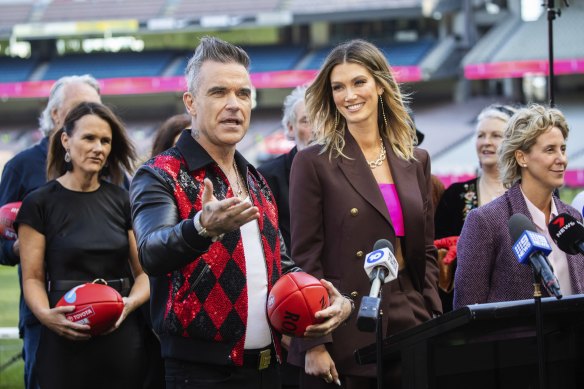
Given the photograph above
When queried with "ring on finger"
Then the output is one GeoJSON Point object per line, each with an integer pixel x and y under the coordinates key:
{"type": "Point", "coordinates": [329, 378]}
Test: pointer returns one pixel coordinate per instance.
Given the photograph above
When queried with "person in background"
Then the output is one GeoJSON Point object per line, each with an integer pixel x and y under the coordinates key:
{"type": "Point", "coordinates": [532, 163]}
{"type": "Point", "coordinates": [277, 174]}
{"type": "Point", "coordinates": [277, 171]}
{"type": "Point", "coordinates": [165, 137]}
{"type": "Point", "coordinates": [208, 237]}
{"type": "Point", "coordinates": [578, 202]}
{"type": "Point", "coordinates": [437, 189]}
{"type": "Point", "coordinates": [361, 181]}
{"type": "Point", "coordinates": [167, 134]}
{"type": "Point", "coordinates": [76, 229]}
{"type": "Point", "coordinates": [462, 197]}
{"type": "Point", "coordinates": [25, 172]}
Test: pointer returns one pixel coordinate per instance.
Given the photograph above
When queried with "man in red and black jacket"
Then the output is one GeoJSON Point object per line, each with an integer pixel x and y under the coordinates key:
{"type": "Point", "coordinates": [207, 230]}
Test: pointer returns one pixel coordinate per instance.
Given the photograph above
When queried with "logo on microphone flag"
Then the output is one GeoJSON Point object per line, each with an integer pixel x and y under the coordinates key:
{"type": "Point", "coordinates": [528, 243]}
{"type": "Point", "coordinates": [377, 255]}
{"type": "Point", "coordinates": [559, 221]}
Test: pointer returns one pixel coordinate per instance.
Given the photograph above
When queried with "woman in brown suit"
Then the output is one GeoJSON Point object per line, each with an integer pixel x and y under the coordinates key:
{"type": "Point", "coordinates": [362, 181]}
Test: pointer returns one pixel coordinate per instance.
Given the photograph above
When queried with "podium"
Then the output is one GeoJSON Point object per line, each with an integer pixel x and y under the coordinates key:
{"type": "Point", "coordinates": [487, 346]}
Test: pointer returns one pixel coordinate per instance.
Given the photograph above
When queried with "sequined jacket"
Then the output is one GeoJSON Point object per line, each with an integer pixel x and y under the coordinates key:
{"type": "Point", "coordinates": [198, 288]}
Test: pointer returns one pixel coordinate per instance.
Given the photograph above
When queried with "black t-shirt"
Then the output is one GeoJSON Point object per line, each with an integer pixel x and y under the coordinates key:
{"type": "Point", "coordinates": [86, 233]}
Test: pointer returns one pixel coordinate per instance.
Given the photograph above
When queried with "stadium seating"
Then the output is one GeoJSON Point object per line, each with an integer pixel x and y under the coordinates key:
{"type": "Point", "coordinates": [313, 7]}
{"type": "Point", "coordinates": [272, 58]}
{"type": "Point", "coordinates": [398, 54]}
{"type": "Point", "coordinates": [110, 65]}
{"type": "Point", "coordinates": [16, 69]}
{"type": "Point", "coordinates": [14, 12]}
{"type": "Point", "coordinates": [263, 58]}
{"type": "Point", "coordinates": [195, 9]}
{"type": "Point", "coordinates": [71, 10]}
{"type": "Point", "coordinates": [157, 63]}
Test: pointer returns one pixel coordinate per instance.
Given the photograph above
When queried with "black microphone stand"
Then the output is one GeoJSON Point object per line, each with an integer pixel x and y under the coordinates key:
{"type": "Point", "coordinates": [539, 330]}
{"type": "Point", "coordinates": [552, 12]}
{"type": "Point", "coordinates": [370, 318]}
{"type": "Point", "coordinates": [379, 346]}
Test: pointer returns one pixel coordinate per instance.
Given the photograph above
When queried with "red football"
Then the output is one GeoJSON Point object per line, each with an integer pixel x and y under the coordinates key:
{"type": "Point", "coordinates": [8, 214]}
{"type": "Point", "coordinates": [97, 305]}
{"type": "Point", "coordinates": [294, 300]}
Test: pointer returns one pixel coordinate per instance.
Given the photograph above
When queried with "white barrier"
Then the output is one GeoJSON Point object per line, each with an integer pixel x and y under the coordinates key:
{"type": "Point", "coordinates": [8, 333]}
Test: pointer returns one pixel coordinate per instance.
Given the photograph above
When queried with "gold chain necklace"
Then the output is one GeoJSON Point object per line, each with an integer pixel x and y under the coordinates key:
{"type": "Point", "coordinates": [239, 187]}
{"type": "Point", "coordinates": [380, 158]}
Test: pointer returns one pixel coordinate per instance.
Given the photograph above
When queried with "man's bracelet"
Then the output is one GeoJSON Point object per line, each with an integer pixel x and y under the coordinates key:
{"type": "Point", "coordinates": [202, 231]}
{"type": "Point", "coordinates": [347, 297]}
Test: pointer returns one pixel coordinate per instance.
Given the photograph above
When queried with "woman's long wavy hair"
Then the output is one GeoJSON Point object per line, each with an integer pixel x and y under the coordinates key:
{"type": "Point", "coordinates": [122, 155]}
{"type": "Point", "coordinates": [331, 126]}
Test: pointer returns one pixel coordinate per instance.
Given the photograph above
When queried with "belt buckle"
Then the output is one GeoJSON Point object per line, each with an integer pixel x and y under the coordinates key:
{"type": "Point", "coordinates": [264, 359]}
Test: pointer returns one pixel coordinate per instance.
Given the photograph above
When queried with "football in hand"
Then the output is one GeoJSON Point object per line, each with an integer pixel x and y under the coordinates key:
{"type": "Point", "coordinates": [96, 305]}
{"type": "Point", "coordinates": [8, 213]}
{"type": "Point", "coordinates": [294, 300]}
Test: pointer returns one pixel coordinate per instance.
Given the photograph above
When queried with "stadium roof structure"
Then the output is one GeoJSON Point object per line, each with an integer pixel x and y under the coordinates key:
{"type": "Point", "coordinates": [515, 48]}
{"type": "Point", "coordinates": [44, 16]}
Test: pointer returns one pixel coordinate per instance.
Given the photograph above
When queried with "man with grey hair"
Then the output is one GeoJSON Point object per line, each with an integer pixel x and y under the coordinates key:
{"type": "Point", "coordinates": [277, 171]}
{"type": "Point", "coordinates": [25, 172]}
{"type": "Point", "coordinates": [208, 237]}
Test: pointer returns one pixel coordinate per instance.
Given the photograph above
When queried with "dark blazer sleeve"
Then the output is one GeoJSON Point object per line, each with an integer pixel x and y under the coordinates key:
{"type": "Point", "coordinates": [477, 251]}
{"type": "Point", "coordinates": [276, 175]}
{"type": "Point", "coordinates": [306, 204]}
{"type": "Point", "coordinates": [431, 296]}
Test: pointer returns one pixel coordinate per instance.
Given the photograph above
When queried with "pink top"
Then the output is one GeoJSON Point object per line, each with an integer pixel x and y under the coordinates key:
{"type": "Point", "coordinates": [394, 207]}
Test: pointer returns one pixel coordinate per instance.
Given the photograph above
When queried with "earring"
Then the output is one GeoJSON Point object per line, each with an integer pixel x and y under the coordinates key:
{"type": "Point", "coordinates": [383, 111]}
{"type": "Point", "coordinates": [67, 156]}
{"type": "Point", "coordinates": [336, 119]}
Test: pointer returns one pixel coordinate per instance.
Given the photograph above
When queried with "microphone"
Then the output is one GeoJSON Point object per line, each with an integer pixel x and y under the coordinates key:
{"type": "Point", "coordinates": [532, 247]}
{"type": "Point", "coordinates": [381, 267]}
{"type": "Point", "coordinates": [381, 263]}
{"type": "Point", "coordinates": [568, 233]}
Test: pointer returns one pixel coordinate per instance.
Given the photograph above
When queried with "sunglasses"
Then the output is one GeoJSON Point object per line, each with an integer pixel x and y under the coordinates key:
{"type": "Point", "coordinates": [503, 109]}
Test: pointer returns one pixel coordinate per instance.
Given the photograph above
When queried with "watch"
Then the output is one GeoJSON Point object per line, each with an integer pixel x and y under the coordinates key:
{"type": "Point", "coordinates": [202, 231]}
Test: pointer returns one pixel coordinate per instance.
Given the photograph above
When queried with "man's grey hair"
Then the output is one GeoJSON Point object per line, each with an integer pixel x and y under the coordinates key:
{"type": "Point", "coordinates": [212, 49]}
{"type": "Point", "coordinates": [289, 113]}
{"type": "Point", "coordinates": [46, 122]}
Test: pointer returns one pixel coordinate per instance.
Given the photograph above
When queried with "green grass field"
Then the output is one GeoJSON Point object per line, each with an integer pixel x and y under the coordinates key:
{"type": "Point", "coordinates": [12, 376]}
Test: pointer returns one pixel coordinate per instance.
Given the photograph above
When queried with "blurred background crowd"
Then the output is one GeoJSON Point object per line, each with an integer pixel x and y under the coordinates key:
{"type": "Point", "coordinates": [453, 58]}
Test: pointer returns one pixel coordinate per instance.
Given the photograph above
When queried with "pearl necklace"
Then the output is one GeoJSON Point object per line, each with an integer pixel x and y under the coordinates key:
{"type": "Point", "coordinates": [380, 158]}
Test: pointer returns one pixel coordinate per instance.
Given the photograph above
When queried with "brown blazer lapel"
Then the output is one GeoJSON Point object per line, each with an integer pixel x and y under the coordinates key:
{"type": "Point", "coordinates": [359, 176]}
{"type": "Point", "coordinates": [408, 189]}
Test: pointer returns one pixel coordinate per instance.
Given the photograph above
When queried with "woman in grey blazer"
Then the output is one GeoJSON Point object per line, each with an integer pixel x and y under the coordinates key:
{"type": "Point", "coordinates": [533, 161]}
{"type": "Point", "coordinates": [362, 181]}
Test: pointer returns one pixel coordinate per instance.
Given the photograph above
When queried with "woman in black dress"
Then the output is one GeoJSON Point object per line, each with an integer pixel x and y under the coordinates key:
{"type": "Point", "coordinates": [77, 228]}
{"type": "Point", "coordinates": [462, 197]}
